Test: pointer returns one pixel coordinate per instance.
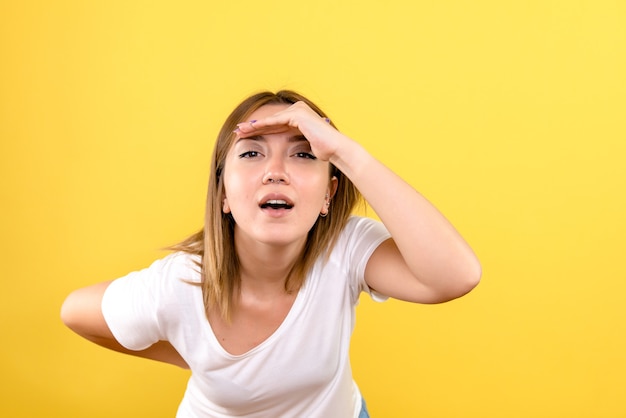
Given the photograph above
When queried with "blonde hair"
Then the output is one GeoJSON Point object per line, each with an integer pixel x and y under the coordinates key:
{"type": "Point", "coordinates": [219, 265]}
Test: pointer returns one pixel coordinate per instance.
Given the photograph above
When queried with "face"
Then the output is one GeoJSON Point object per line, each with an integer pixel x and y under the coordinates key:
{"type": "Point", "coordinates": [274, 187]}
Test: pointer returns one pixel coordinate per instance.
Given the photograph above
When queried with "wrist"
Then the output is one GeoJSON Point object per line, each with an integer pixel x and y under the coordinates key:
{"type": "Point", "coordinates": [350, 157]}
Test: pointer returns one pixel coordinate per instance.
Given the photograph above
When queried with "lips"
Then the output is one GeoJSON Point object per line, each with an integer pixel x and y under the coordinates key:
{"type": "Point", "coordinates": [275, 202]}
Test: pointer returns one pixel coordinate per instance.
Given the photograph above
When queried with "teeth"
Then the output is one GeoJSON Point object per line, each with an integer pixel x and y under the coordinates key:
{"type": "Point", "coordinates": [276, 204]}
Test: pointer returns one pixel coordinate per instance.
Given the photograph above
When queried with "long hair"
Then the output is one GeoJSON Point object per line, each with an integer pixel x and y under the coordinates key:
{"type": "Point", "coordinates": [215, 244]}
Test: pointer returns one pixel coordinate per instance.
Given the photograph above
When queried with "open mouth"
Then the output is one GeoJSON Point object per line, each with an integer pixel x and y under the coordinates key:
{"type": "Point", "coordinates": [276, 204]}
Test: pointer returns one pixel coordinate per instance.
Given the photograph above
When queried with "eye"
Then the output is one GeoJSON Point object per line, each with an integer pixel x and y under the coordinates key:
{"type": "Point", "coordinates": [249, 154]}
{"type": "Point", "coordinates": [305, 155]}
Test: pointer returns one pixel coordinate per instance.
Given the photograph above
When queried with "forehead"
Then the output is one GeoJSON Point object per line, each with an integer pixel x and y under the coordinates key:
{"type": "Point", "coordinates": [267, 110]}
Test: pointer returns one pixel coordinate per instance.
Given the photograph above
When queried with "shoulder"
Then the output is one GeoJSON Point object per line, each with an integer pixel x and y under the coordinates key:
{"type": "Point", "coordinates": [183, 265]}
{"type": "Point", "coordinates": [161, 278]}
{"type": "Point", "coordinates": [359, 238]}
{"type": "Point", "coordinates": [363, 228]}
{"type": "Point", "coordinates": [183, 260]}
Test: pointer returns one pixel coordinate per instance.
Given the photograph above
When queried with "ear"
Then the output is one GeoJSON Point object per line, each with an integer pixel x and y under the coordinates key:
{"type": "Point", "coordinates": [332, 187]}
{"type": "Point", "coordinates": [330, 192]}
{"type": "Point", "coordinates": [225, 205]}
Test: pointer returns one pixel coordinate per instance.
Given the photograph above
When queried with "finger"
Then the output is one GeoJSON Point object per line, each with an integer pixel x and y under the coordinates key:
{"type": "Point", "coordinates": [245, 130]}
{"type": "Point", "coordinates": [246, 126]}
{"type": "Point", "coordinates": [278, 122]}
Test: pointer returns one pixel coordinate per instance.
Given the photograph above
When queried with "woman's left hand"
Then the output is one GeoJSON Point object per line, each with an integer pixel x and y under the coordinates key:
{"type": "Point", "coordinates": [322, 136]}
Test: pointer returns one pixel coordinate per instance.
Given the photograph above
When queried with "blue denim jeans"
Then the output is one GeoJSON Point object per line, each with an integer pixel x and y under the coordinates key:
{"type": "Point", "coordinates": [364, 413]}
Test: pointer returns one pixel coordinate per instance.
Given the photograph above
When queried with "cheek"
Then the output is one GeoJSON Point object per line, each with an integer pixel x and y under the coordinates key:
{"type": "Point", "coordinates": [319, 182]}
{"type": "Point", "coordinates": [237, 190]}
{"type": "Point", "coordinates": [313, 191]}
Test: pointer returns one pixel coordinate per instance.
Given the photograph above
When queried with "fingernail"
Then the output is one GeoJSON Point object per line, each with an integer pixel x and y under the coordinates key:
{"type": "Point", "coordinates": [252, 121]}
{"type": "Point", "coordinates": [327, 120]}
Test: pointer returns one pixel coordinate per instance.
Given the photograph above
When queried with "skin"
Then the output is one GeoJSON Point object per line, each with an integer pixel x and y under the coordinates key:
{"type": "Point", "coordinates": [277, 166]}
{"type": "Point", "coordinates": [272, 165]}
{"type": "Point", "coordinates": [425, 261]}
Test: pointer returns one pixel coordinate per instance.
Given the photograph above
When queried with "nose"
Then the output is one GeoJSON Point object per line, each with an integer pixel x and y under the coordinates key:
{"type": "Point", "coordinates": [275, 171]}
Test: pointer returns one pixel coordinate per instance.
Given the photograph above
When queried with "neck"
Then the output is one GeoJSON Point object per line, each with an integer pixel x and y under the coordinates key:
{"type": "Point", "coordinates": [264, 266]}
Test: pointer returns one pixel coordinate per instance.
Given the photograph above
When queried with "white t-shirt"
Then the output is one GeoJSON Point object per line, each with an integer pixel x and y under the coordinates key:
{"type": "Point", "coordinates": [301, 370]}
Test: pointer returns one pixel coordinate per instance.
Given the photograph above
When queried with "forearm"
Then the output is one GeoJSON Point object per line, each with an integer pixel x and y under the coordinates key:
{"type": "Point", "coordinates": [161, 351]}
{"type": "Point", "coordinates": [433, 250]}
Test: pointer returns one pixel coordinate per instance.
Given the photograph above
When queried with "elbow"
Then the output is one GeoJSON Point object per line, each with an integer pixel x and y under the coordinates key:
{"type": "Point", "coordinates": [69, 314]}
{"type": "Point", "coordinates": [473, 276]}
{"type": "Point", "coordinates": [470, 277]}
{"type": "Point", "coordinates": [474, 273]}
{"type": "Point", "coordinates": [463, 282]}
{"type": "Point", "coordinates": [81, 311]}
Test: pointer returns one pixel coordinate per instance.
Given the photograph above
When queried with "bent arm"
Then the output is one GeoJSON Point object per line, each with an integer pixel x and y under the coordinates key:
{"type": "Point", "coordinates": [426, 260]}
{"type": "Point", "coordinates": [82, 313]}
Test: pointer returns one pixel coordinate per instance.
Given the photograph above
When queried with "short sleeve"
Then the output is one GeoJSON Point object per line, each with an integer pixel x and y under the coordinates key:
{"type": "Point", "coordinates": [360, 239]}
{"type": "Point", "coordinates": [133, 305]}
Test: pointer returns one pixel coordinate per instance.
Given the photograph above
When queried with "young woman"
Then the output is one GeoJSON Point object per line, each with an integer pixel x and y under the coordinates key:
{"type": "Point", "coordinates": [260, 303]}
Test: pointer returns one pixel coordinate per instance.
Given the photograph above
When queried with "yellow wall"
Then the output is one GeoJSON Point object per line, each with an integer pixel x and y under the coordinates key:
{"type": "Point", "coordinates": [510, 116]}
